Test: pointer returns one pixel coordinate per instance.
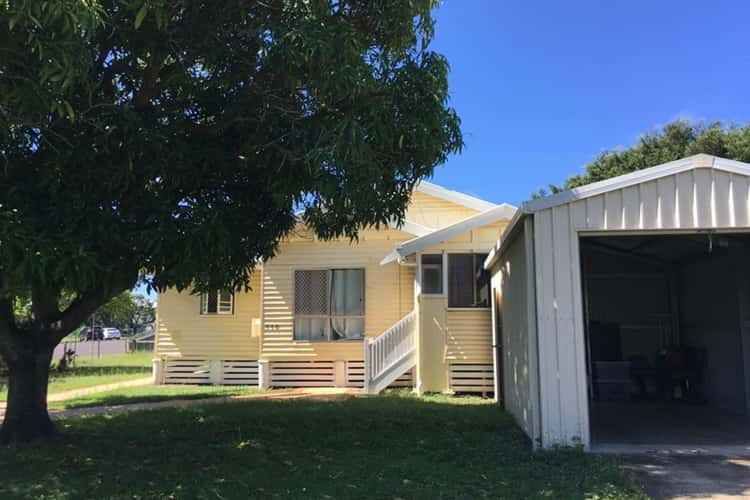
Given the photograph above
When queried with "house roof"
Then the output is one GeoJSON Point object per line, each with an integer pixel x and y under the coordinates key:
{"type": "Point", "coordinates": [454, 196]}
{"type": "Point", "coordinates": [613, 184]}
{"type": "Point", "coordinates": [496, 213]}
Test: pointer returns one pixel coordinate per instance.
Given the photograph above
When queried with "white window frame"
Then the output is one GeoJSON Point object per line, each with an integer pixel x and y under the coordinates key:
{"type": "Point", "coordinates": [219, 311]}
{"type": "Point", "coordinates": [328, 317]}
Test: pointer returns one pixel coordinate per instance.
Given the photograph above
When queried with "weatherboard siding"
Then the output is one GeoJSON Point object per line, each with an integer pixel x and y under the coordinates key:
{"type": "Point", "coordinates": [389, 293]}
{"type": "Point", "coordinates": [183, 332]}
{"type": "Point", "coordinates": [433, 212]}
{"type": "Point", "coordinates": [469, 335]}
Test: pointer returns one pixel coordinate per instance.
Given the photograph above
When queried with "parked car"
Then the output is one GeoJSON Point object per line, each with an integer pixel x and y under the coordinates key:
{"type": "Point", "coordinates": [111, 334]}
{"type": "Point", "coordinates": [93, 333]}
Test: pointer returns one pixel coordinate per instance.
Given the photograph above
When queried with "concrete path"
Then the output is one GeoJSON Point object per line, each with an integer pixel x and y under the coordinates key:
{"type": "Point", "coordinates": [678, 476]}
{"type": "Point", "coordinates": [312, 393]}
{"type": "Point", "coordinates": [316, 394]}
{"type": "Point", "coordinates": [77, 393]}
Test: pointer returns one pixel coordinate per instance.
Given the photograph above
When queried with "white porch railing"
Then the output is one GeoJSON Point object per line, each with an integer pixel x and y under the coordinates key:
{"type": "Point", "coordinates": [391, 354]}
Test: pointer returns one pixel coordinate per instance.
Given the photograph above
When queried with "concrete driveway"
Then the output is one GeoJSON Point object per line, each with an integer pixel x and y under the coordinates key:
{"type": "Point", "coordinates": [675, 476]}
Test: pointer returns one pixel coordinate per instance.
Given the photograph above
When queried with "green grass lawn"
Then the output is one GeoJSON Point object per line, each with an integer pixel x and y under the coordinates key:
{"type": "Point", "coordinates": [89, 372]}
{"type": "Point", "coordinates": [130, 395]}
{"type": "Point", "coordinates": [392, 446]}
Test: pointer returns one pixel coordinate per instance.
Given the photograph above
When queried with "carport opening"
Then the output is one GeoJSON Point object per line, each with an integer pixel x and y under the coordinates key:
{"type": "Point", "coordinates": [667, 337]}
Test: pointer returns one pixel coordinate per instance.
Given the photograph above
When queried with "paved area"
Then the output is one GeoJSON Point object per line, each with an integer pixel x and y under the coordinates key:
{"type": "Point", "coordinates": [676, 476]}
{"type": "Point", "coordinates": [663, 423]}
{"type": "Point", "coordinates": [676, 450]}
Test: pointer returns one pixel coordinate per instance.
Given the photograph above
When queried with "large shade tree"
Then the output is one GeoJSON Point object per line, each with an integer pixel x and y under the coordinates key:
{"type": "Point", "coordinates": [674, 141]}
{"type": "Point", "coordinates": [171, 141]}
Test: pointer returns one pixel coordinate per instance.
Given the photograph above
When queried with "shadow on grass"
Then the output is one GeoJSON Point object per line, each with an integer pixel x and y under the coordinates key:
{"type": "Point", "coordinates": [149, 394]}
{"type": "Point", "coordinates": [383, 447]}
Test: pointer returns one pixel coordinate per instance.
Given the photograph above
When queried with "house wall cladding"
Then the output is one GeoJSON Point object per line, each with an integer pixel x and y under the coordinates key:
{"type": "Point", "coordinates": [389, 293]}
{"type": "Point", "coordinates": [183, 332]}
{"type": "Point", "coordinates": [430, 211]}
{"type": "Point", "coordinates": [701, 198]}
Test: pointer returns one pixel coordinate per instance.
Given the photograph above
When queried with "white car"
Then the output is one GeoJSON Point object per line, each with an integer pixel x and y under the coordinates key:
{"type": "Point", "coordinates": [111, 334]}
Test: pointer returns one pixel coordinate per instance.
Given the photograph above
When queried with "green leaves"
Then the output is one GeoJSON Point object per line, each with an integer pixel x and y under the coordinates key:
{"type": "Point", "coordinates": [176, 140]}
{"type": "Point", "coordinates": [141, 15]}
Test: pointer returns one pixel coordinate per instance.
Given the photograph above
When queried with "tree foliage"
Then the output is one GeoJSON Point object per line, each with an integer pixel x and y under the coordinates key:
{"type": "Point", "coordinates": [170, 141]}
{"type": "Point", "coordinates": [118, 312]}
{"type": "Point", "coordinates": [676, 140]}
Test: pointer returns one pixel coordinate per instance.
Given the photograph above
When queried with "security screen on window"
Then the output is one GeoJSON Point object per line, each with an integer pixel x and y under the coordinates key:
{"type": "Point", "coordinates": [329, 304]}
{"type": "Point", "coordinates": [468, 282]}
{"type": "Point", "coordinates": [432, 274]}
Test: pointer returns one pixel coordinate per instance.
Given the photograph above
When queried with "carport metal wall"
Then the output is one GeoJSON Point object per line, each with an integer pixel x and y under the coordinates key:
{"type": "Point", "coordinates": [699, 193]}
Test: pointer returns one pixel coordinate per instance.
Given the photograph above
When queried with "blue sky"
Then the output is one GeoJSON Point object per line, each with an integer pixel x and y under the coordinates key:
{"type": "Point", "coordinates": [542, 87]}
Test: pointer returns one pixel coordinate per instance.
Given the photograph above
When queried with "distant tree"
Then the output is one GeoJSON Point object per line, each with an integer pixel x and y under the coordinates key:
{"type": "Point", "coordinates": [145, 313]}
{"type": "Point", "coordinates": [676, 140]}
{"type": "Point", "coordinates": [175, 138]}
{"type": "Point", "coordinates": [118, 312]}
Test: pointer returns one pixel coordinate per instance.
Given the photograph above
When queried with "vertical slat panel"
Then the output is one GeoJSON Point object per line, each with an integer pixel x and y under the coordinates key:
{"type": "Point", "coordinates": [581, 208]}
{"type": "Point", "coordinates": [740, 201]}
{"type": "Point", "coordinates": [613, 207]}
{"type": "Point", "coordinates": [685, 200]}
{"type": "Point", "coordinates": [722, 216]}
{"type": "Point", "coordinates": [563, 289]}
{"type": "Point", "coordinates": [595, 212]}
{"type": "Point", "coordinates": [548, 371]}
{"type": "Point", "coordinates": [577, 217]}
{"type": "Point", "coordinates": [666, 188]}
{"type": "Point", "coordinates": [703, 203]}
{"type": "Point", "coordinates": [649, 206]}
{"type": "Point", "coordinates": [631, 208]}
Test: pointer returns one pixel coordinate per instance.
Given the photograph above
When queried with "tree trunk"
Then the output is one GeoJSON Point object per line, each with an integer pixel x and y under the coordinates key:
{"type": "Point", "coordinates": [26, 417]}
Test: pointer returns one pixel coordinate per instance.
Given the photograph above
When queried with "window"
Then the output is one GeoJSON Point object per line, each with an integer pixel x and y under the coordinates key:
{"type": "Point", "coordinates": [432, 274]}
{"type": "Point", "coordinates": [468, 282]}
{"type": "Point", "coordinates": [218, 302]}
{"type": "Point", "coordinates": [329, 304]}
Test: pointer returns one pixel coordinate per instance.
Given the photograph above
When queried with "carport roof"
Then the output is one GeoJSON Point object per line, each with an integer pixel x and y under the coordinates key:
{"type": "Point", "coordinates": [615, 183]}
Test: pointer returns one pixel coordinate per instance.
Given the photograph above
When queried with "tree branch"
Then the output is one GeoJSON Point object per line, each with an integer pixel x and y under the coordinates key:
{"type": "Point", "coordinates": [88, 302]}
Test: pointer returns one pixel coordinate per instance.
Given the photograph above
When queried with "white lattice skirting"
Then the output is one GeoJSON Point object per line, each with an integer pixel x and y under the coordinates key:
{"type": "Point", "coordinates": [217, 372]}
{"type": "Point", "coordinates": [280, 373]}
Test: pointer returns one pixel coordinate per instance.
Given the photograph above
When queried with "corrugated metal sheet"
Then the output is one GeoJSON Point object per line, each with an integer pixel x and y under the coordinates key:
{"type": "Point", "coordinates": [700, 198]}
{"type": "Point", "coordinates": [696, 199]}
{"type": "Point", "coordinates": [512, 276]}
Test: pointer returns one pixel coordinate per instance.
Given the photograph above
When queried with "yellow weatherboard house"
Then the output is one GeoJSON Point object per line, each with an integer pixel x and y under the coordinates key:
{"type": "Point", "coordinates": [404, 306]}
